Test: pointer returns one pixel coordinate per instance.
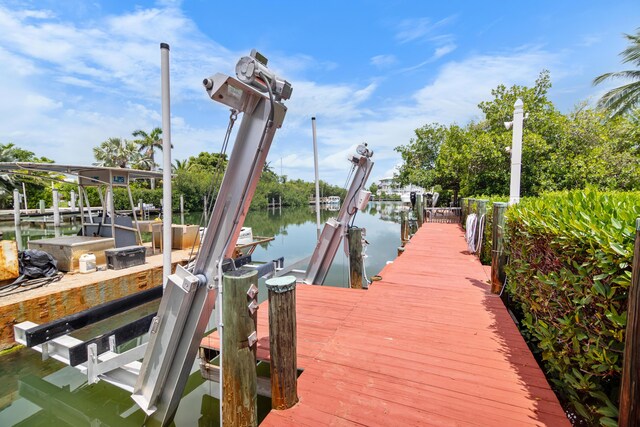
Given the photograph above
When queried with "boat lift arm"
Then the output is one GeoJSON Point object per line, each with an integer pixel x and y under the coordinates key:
{"type": "Point", "coordinates": [335, 229]}
{"type": "Point", "coordinates": [189, 298]}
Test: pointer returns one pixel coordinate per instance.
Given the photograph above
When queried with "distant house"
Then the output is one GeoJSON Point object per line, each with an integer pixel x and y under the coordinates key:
{"type": "Point", "coordinates": [390, 186]}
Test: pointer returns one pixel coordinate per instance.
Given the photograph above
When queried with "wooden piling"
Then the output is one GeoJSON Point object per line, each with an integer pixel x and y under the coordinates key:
{"type": "Point", "coordinates": [498, 259]}
{"type": "Point", "coordinates": [419, 210]}
{"type": "Point", "coordinates": [239, 382]}
{"type": "Point", "coordinates": [282, 341]}
{"type": "Point", "coordinates": [630, 388]}
{"type": "Point", "coordinates": [354, 236]}
{"type": "Point", "coordinates": [404, 228]}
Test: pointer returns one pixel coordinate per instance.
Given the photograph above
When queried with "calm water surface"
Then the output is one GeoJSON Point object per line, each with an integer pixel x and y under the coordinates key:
{"type": "Point", "coordinates": [47, 393]}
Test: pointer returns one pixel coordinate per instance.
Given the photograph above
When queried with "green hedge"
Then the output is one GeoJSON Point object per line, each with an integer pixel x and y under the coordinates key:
{"type": "Point", "coordinates": [569, 273]}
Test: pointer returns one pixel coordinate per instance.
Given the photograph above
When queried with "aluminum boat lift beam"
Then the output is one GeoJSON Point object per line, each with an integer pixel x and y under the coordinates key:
{"type": "Point", "coordinates": [189, 298]}
{"type": "Point", "coordinates": [335, 229]}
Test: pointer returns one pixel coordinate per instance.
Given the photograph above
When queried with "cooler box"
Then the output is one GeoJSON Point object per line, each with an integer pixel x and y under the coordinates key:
{"type": "Point", "coordinates": [184, 236]}
{"type": "Point", "coordinates": [128, 256]}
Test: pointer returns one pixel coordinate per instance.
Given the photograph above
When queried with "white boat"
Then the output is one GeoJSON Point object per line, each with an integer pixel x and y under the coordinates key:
{"type": "Point", "coordinates": [405, 198]}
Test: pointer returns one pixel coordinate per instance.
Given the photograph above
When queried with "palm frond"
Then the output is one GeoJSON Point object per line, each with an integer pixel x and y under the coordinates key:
{"type": "Point", "coordinates": [621, 99]}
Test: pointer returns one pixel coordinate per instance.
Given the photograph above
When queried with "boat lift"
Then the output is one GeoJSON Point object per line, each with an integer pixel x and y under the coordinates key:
{"type": "Point", "coordinates": [192, 298]}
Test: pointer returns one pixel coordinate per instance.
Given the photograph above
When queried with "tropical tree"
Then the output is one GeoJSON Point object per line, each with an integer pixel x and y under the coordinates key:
{"type": "Point", "coordinates": [181, 166]}
{"type": "Point", "coordinates": [11, 153]}
{"type": "Point", "coordinates": [419, 156]}
{"type": "Point", "coordinates": [147, 145]}
{"type": "Point", "coordinates": [118, 152]}
{"type": "Point", "coordinates": [625, 98]}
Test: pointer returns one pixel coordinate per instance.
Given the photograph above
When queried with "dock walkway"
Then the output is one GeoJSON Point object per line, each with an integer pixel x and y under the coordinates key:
{"type": "Point", "coordinates": [427, 345]}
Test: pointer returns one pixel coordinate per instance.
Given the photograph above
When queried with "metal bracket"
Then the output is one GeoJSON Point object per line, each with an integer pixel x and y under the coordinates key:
{"type": "Point", "coordinates": [252, 339]}
{"type": "Point", "coordinates": [253, 307]}
{"type": "Point", "coordinates": [252, 292]}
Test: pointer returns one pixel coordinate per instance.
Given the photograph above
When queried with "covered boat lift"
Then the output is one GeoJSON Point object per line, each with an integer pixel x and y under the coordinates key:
{"type": "Point", "coordinates": [105, 179]}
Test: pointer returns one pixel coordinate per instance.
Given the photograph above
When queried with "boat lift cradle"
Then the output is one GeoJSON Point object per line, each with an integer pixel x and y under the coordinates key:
{"type": "Point", "coordinates": [189, 298]}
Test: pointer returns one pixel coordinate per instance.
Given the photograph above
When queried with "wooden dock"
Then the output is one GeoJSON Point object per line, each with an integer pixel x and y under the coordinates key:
{"type": "Point", "coordinates": [427, 345]}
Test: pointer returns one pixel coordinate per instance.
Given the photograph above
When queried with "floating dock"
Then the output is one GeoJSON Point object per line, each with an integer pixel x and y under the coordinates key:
{"type": "Point", "coordinates": [427, 345]}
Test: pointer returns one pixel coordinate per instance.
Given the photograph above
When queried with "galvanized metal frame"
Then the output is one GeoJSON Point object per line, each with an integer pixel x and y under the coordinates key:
{"type": "Point", "coordinates": [335, 229]}
{"type": "Point", "coordinates": [183, 316]}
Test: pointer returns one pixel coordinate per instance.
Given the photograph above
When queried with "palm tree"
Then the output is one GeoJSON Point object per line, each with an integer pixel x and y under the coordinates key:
{"type": "Point", "coordinates": [181, 166]}
{"type": "Point", "coordinates": [624, 98]}
{"type": "Point", "coordinates": [116, 152]}
{"type": "Point", "coordinates": [147, 144]}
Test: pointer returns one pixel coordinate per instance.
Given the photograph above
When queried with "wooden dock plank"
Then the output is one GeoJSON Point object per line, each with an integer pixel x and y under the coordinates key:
{"type": "Point", "coordinates": [427, 345]}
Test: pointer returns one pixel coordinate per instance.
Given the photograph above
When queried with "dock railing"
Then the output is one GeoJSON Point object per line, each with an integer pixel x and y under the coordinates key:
{"type": "Point", "coordinates": [451, 215]}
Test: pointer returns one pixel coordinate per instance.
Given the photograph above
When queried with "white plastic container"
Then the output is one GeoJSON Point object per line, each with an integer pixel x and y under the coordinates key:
{"type": "Point", "coordinates": [87, 263]}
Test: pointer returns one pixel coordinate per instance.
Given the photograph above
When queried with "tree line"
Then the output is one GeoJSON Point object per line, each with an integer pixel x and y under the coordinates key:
{"type": "Point", "coordinates": [598, 146]}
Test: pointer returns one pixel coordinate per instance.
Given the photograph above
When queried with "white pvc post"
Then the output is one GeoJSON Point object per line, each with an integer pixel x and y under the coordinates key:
{"type": "Point", "coordinates": [72, 196]}
{"type": "Point", "coordinates": [56, 208]}
{"type": "Point", "coordinates": [24, 194]}
{"type": "Point", "coordinates": [182, 209]}
{"type": "Point", "coordinates": [16, 218]}
{"type": "Point", "coordinates": [315, 162]}
{"type": "Point", "coordinates": [516, 152]}
{"type": "Point", "coordinates": [166, 164]}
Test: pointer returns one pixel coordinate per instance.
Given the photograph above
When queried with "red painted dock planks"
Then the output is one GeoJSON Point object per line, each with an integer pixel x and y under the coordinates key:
{"type": "Point", "coordinates": [426, 345]}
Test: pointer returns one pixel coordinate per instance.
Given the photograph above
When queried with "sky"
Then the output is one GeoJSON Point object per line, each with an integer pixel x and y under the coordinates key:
{"type": "Point", "coordinates": [75, 73]}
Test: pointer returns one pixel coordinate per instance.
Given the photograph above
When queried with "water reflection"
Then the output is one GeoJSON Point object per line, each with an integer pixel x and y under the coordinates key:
{"type": "Point", "coordinates": [35, 393]}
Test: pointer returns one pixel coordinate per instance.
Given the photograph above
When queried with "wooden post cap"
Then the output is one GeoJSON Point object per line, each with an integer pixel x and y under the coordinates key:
{"type": "Point", "coordinates": [282, 284]}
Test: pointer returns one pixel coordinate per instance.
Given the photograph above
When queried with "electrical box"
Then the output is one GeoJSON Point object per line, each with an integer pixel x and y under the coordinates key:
{"type": "Point", "coordinates": [363, 199]}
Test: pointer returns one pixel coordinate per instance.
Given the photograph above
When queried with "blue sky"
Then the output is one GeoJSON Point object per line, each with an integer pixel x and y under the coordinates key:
{"type": "Point", "coordinates": [74, 73]}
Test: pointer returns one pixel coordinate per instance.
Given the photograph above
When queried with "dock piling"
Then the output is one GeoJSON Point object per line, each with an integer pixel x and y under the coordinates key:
{"type": "Point", "coordinates": [404, 229]}
{"type": "Point", "coordinates": [630, 387]}
{"type": "Point", "coordinates": [419, 210]}
{"type": "Point", "coordinates": [56, 207]}
{"type": "Point", "coordinates": [498, 259]}
{"type": "Point", "coordinates": [354, 236]}
{"type": "Point", "coordinates": [282, 341]}
{"type": "Point", "coordinates": [239, 378]}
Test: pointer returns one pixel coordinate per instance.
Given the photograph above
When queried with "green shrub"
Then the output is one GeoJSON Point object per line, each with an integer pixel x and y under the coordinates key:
{"type": "Point", "coordinates": [569, 273]}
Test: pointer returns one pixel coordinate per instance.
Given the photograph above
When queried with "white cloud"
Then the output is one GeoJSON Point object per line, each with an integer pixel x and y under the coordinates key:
{"type": "Point", "coordinates": [383, 60]}
{"type": "Point", "coordinates": [444, 50]}
{"type": "Point", "coordinates": [417, 29]}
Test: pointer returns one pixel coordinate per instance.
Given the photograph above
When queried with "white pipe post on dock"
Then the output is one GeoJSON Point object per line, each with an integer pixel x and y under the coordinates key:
{"type": "Point", "coordinates": [24, 194]}
{"type": "Point", "coordinates": [516, 152]}
{"type": "Point", "coordinates": [205, 208]}
{"type": "Point", "coordinates": [16, 218]}
{"type": "Point", "coordinates": [182, 209]}
{"type": "Point", "coordinates": [315, 162]}
{"type": "Point", "coordinates": [166, 164]}
{"type": "Point", "coordinates": [56, 207]}
{"type": "Point", "coordinates": [72, 196]}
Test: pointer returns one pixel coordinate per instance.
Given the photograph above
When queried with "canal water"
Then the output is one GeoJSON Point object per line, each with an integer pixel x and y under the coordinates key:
{"type": "Point", "coordinates": [47, 393]}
